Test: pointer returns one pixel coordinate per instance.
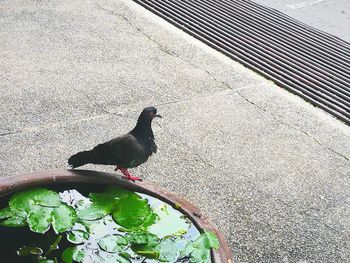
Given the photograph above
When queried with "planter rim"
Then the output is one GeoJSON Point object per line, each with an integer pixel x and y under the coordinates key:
{"type": "Point", "coordinates": [16, 183]}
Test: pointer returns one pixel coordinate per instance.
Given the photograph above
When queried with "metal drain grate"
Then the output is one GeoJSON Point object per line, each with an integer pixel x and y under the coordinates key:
{"type": "Point", "coordinates": [302, 59]}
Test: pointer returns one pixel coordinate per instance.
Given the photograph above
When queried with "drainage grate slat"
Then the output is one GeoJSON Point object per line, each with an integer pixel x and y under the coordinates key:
{"type": "Point", "coordinates": [274, 42]}
{"type": "Point", "coordinates": [292, 22]}
{"type": "Point", "coordinates": [282, 22]}
{"type": "Point", "coordinates": [295, 38]}
{"type": "Point", "coordinates": [283, 55]}
{"type": "Point", "coordinates": [306, 61]}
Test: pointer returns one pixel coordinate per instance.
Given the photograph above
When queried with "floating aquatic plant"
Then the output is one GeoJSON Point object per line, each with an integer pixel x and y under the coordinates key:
{"type": "Point", "coordinates": [115, 225]}
{"type": "Point", "coordinates": [38, 208]}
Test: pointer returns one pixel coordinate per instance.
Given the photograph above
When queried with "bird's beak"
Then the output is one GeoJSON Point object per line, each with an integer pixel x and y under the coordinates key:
{"type": "Point", "coordinates": [157, 115]}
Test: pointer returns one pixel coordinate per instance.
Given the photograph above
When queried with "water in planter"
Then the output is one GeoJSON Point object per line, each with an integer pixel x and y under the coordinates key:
{"type": "Point", "coordinates": [97, 224]}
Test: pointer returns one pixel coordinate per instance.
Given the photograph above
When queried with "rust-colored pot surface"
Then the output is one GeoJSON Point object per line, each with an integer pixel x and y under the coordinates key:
{"type": "Point", "coordinates": [45, 178]}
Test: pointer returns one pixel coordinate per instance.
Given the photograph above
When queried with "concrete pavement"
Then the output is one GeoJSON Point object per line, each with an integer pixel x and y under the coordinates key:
{"type": "Point", "coordinates": [271, 171]}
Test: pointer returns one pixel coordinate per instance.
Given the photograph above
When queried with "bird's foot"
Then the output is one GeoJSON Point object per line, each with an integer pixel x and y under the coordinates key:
{"type": "Point", "coordinates": [133, 178]}
{"type": "Point", "coordinates": [127, 174]}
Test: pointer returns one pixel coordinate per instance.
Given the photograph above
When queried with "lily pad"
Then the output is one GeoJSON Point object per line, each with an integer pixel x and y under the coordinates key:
{"type": "Point", "coordinates": [6, 213]}
{"type": "Point", "coordinates": [78, 236]}
{"type": "Point", "coordinates": [199, 249]}
{"type": "Point", "coordinates": [143, 238]}
{"type": "Point", "coordinates": [102, 204]}
{"type": "Point", "coordinates": [168, 251]}
{"type": "Point", "coordinates": [134, 212]}
{"type": "Point", "coordinates": [38, 207]}
{"type": "Point", "coordinates": [39, 219]}
{"type": "Point", "coordinates": [94, 212]}
{"type": "Point", "coordinates": [112, 243]}
{"type": "Point", "coordinates": [14, 222]}
{"type": "Point", "coordinates": [67, 255]}
{"type": "Point", "coordinates": [113, 226]}
{"type": "Point", "coordinates": [47, 198]}
{"type": "Point", "coordinates": [98, 229]}
{"type": "Point", "coordinates": [79, 254]}
{"type": "Point", "coordinates": [171, 222]}
{"type": "Point", "coordinates": [63, 218]}
{"type": "Point", "coordinates": [73, 254]}
{"type": "Point", "coordinates": [23, 202]}
{"type": "Point", "coordinates": [28, 250]}
{"type": "Point", "coordinates": [47, 261]}
{"type": "Point", "coordinates": [211, 240]}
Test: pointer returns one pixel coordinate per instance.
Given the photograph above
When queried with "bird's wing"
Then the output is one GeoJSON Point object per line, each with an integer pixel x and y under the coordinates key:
{"type": "Point", "coordinates": [126, 150]}
{"type": "Point", "coordinates": [153, 147]}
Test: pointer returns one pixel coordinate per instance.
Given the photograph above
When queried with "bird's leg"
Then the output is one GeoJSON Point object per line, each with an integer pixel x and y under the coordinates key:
{"type": "Point", "coordinates": [127, 174]}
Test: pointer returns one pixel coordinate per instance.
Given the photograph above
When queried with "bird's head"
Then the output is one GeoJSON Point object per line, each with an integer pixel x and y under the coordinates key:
{"type": "Point", "coordinates": [143, 125]}
{"type": "Point", "coordinates": [149, 113]}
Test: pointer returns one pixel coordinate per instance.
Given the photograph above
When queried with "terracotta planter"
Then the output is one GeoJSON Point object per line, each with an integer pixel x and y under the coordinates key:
{"type": "Point", "coordinates": [44, 178]}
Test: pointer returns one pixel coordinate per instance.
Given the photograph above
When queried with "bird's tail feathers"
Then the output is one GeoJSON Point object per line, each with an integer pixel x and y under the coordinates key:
{"type": "Point", "coordinates": [80, 159]}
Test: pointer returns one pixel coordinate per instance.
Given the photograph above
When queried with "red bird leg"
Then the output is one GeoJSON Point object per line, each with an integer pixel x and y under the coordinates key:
{"type": "Point", "coordinates": [127, 174]}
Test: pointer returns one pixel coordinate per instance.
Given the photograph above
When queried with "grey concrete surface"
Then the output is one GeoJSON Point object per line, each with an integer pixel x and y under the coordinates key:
{"type": "Point", "coordinates": [269, 169]}
{"type": "Point", "coordinates": [331, 16]}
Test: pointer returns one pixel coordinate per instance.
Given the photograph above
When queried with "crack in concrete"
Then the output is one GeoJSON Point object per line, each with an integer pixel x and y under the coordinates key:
{"type": "Point", "coordinates": [112, 12]}
{"type": "Point", "coordinates": [9, 133]}
{"type": "Point", "coordinates": [162, 48]}
{"type": "Point", "coordinates": [292, 127]}
{"type": "Point", "coordinates": [105, 113]}
{"type": "Point", "coordinates": [61, 124]}
{"type": "Point", "coordinates": [251, 181]}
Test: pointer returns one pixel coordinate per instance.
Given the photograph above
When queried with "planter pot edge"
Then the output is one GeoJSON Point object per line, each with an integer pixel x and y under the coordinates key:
{"type": "Point", "coordinates": [16, 183]}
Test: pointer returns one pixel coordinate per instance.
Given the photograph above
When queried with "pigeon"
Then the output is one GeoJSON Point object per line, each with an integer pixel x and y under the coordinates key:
{"type": "Point", "coordinates": [126, 151]}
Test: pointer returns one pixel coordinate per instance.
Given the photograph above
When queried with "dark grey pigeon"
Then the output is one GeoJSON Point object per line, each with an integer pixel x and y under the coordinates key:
{"type": "Point", "coordinates": [126, 151]}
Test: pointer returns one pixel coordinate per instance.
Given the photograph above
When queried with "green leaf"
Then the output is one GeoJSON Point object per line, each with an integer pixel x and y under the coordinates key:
{"type": "Point", "coordinates": [112, 243]}
{"type": "Point", "coordinates": [67, 255]}
{"type": "Point", "coordinates": [211, 240]}
{"type": "Point", "coordinates": [39, 219]}
{"type": "Point", "coordinates": [14, 222]}
{"type": "Point", "coordinates": [171, 222]}
{"type": "Point", "coordinates": [144, 244]}
{"type": "Point", "coordinates": [77, 236]}
{"type": "Point", "coordinates": [98, 229]}
{"type": "Point", "coordinates": [46, 261]}
{"type": "Point", "coordinates": [22, 203]}
{"type": "Point", "coordinates": [63, 218]}
{"type": "Point", "coordinates": [199, 249]}
{"type": "Point", "coordinates": [143, 238]}
{"type": "Point", "coordinates": [6, 213]}
{"type": "Point", "coordinates": [94, 212]}
{"type": "Point", "coordinates": [28, 250]}
{"type": "Point", "coordinates": [71, 254]}
{"type": "Point", "coordinates": [47, 198]}
{"type": "Point", "coordinates": [200, 256]}
{"type": "Point", "coordinates": [168, 250]}
{"type": "Point", "coordinates": [133, 212]}
{"type": "Point", "coordinates": [78, 254]}
{"type": "Point", "coordinates": [102, 203]}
